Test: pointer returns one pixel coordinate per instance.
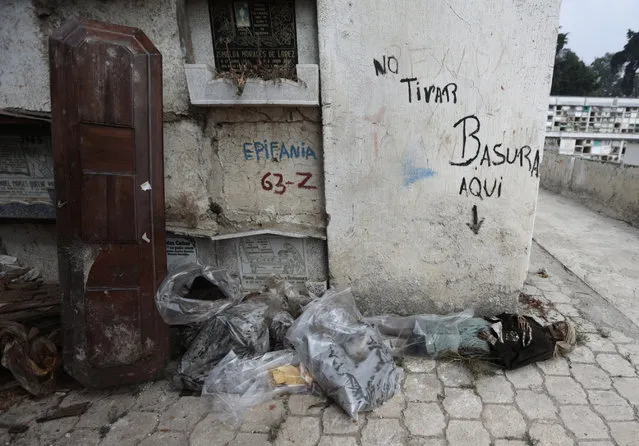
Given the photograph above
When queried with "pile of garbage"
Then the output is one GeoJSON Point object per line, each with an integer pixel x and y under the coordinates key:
{"type": "Point", "coordinates": [241, 351]}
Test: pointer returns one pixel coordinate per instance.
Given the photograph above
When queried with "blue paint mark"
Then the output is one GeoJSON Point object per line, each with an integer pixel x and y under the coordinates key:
{"type": "Point", "coordinates": [413, 174]}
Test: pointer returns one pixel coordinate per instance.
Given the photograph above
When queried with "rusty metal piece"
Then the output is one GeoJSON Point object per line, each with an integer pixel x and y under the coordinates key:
{"type": "Point", "coordinates": [32, 360]}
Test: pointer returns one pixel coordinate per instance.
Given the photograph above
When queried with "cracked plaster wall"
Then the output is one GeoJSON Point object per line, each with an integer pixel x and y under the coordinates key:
{"type": "Point", "coordinates": [399, 223]}
{"type": "Point", "coordinates": [205, 167]}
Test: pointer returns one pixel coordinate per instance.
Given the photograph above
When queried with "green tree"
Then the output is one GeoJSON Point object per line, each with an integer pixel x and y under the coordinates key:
{"type": "Point", "coordinates": [609, 81]}
{"type": "Point", "coordinates": [628, 59]}
{"type": "Point", "coordinates": [571, 76]}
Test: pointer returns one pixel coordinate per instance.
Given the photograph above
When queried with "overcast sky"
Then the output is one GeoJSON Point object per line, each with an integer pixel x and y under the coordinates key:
{"type": "Point", "coordinates": [597, 27]}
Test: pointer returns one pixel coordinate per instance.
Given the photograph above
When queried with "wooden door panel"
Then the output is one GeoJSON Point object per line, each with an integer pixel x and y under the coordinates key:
{"type": "Point", "coordinates": [107, 149]}
{"type": "Point", "coordinates": [116, 340]}
{"type": "Point", "coordinates": [106, 95]}
{"type": "Point", "coordinates": [115, 266]}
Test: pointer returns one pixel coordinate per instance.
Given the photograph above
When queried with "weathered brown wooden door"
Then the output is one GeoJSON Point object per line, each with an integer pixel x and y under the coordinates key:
{"type": "Point", "coordinates": [106, 102]}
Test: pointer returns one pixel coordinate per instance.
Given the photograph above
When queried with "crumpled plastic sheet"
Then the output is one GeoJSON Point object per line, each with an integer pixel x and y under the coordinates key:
{"type": "Point", "coordinates": [431, 334]}
{"type": "Point", "coordinates": [346, 357]}
{"type": "Point", "coordinates": [31, 359]}
{"type": "Point", "coordinates": [236, 384]}
{"type": "Point", "coordinates": [242, 328]}
{"type": "Point", "coordinates": [177, 309]}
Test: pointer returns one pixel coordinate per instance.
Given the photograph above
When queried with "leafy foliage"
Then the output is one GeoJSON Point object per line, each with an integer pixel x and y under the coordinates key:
{"type": "Point", "coordinates": [628, 61]}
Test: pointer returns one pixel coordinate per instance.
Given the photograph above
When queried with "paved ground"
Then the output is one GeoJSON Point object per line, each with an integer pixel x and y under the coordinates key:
{"type": "Point", "coordinates": [601, 251]}
{"type": "Point", "coordinates": [589, 398]}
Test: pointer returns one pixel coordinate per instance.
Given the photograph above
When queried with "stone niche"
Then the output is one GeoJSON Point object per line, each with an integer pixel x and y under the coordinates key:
{"type": "Point", "coordinates": [252, 52]}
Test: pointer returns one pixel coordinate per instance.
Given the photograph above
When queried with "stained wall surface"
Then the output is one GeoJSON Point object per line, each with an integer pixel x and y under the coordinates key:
{"type": "Point", "coordinates": [431, 110]}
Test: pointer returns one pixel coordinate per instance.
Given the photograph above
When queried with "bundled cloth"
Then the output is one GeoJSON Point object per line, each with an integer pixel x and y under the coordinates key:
{"type": "Point", "coordinates": [507, 340]}
{"type": "Point", "coordinates": [346, 357]}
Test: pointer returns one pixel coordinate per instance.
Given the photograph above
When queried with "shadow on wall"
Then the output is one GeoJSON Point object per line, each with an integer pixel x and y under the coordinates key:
{"type": "Point", "coordinates": [609, 188]}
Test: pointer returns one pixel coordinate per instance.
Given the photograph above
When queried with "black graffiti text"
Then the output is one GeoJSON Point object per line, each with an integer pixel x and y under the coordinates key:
{"type": "Point", "coordinates": [492, 154]}
{"type": "Point", "coordinates": [438, 95]}
{"type": "Point", "coordinates": [387, 64]}
{"type": "Point", "coordinates": [481, 188]}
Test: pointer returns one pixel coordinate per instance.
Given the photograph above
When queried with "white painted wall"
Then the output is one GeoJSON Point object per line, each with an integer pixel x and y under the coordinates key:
{"type": "Point", "coordinates": [567, 146]}
{"type": "Point", "coordinates": [398, 208]}
{"type": "Point", "coordinates": [632, 154]}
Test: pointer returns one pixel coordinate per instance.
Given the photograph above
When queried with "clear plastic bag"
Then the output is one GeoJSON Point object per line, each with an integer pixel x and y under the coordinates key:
{"type": "Point", "coordinates": [431, 334]}
{"type": "Point", "coordinates": [345, 356]}
{"type": "Point", "coordinates": [242, 328]}
{"type": "Point", "coordinates": [235, 385]}
{"type": "Point", "coordinates": [174, 298]}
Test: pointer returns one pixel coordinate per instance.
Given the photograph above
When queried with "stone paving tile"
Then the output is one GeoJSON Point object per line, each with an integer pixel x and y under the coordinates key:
{"type": "Point", "coordinates": [461, 432]}
{"type": "Point", "coordinates": [390, 409]}
{"type": "Point", "coordinates": [299, 431]}
{"type": "Point", "coordinates": [628, 388]}
{"type": "Point", "coordinates": [184, 413]}
{"type": "Point", "coordinates": [378, 432]}
{"type": "Point", "coordinates": [421, 441]}
{"type": "Point", "coordinates": [461, 403]}
{"type": "Point", "coordinates": [424, 419]}
{"type": "Point", "coordinates": [45, 433]}
{"type": "Point", "coordinates": [616, 413]}
{"type": "Point", "coordinates": [584, 326]}
{"type": "Point", "coordinates": [565, 390]}
{"type": "Point", "coordinates": [422, 387]}
{"type": "Point", "coordinates": [84, 437]}
{"type": "Point", "coordinates": [557, 297]}
{"type": "Point", "coordinates": [419, 365]}
{"type": "Point", "coordinates": [301, 404]}
{"type": "Point", "coordinates": [555, 367]}
{"type": "Point", "coordinates": [494, 389]}
{"type": "Point", "coordinates": [83, 396]}
{"type": "Point", "coordinates": [132, 428]}
{"type": "Point", "coordinates": [454, 374]}
{"type": "Point", "coordinates": [245, 439]}
{"type": "Point", "coordinates": [525, 378]}
{"type": "Point", "coordinates": [511, 443]}
{"type": "Point", "coordinates": [598, 344]}
{"type": "Point", "coordinates": [156, 397]}
{"type": "Point", "coordinates": [504, 421]}
{"type": "Point", "coordinates": [567, 310]}
{"type": "Point", "coordinates": [335, 421]}
{"type": "Point", "coordinates": [210, 427]}
{"type": "Point", "coordinates": [333, 440]}
{"type": "Point", "coordinates": [606, 398]}
{"type": "Point", "coordinates": [615, 364]}
{"type": "Point", "coordinates": [166, 439]}
{"type": "Point", "coordinates": [581, 354]}
{"type": "Point", "coordinates": [106, 411]}
{"type": "Point", "coordinates": [263, 417]}
{"type": "Point", "coordinates": [549, 434]}
{"type": "Point", "coordinates": [625, 433]}
{"type": "Point", "coordinates": [536, 405]}
{"type": "Point", "coordinates": [30, 409]}
{"type": "Point", "coordinates": [630, 348]}
{"type": "Point", "coordinates": [618, 337]}
{"type": "Point", "coordinates": [591, 377]}
{"type": "Point", "coordinates": [596, 443]}
{"type": "Point", "coordinates": [583, 422]}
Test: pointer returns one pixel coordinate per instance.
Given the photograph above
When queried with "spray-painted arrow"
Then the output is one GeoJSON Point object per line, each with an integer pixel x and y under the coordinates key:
{"type": "Point", "coordinates": [476, 224]}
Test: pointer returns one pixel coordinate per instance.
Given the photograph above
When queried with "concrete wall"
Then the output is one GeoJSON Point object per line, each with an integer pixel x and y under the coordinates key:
{"type": "Point", "coordinates": [631, 156]}
{"type": "Point", "coordinates": [221, 175]}
{"type": "Point", "coordinates": [609, 188]}
{"type": "Point", "coordinates": [404, 168]}
{"type": "Point", "coordinates": [34, 244]}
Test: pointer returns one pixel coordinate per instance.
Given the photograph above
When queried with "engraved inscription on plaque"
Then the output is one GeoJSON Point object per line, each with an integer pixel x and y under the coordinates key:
{"type": "Point", "coordinates": [257, 34]}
